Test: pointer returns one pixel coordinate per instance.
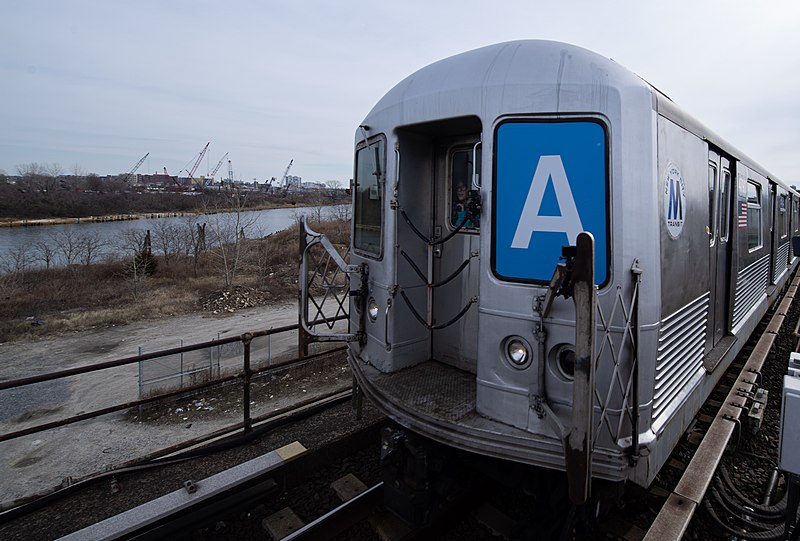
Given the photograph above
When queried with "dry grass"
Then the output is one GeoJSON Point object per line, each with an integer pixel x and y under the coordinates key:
{"type": "Point", "coordinates": [98, 295]}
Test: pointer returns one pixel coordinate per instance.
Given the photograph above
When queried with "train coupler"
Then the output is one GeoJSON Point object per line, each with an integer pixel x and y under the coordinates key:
{"type": "Point", "coordinates": [418, 485]}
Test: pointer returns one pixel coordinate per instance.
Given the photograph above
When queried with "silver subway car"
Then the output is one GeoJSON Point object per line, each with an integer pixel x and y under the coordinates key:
{"type": "Point", "coordinates": [472, 175]}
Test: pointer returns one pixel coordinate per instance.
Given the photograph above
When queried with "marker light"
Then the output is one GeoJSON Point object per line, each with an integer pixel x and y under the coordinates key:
{"type": "Point", "coordinates": [517, 352]}
{"type": "Point", "coordinates": [566, 361]}
{"type": "Point", "coordinates": [372, 309]}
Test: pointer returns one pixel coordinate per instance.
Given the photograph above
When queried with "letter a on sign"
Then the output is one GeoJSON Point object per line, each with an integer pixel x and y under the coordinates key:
{"type": "Point", "coordinates": [550, 184]}
{"type": "Point", "coordinates": [549, 168]}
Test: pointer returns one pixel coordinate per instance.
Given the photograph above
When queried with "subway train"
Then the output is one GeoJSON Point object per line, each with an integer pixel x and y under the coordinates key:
{"type": "Point", "coordinates": [476, 180]}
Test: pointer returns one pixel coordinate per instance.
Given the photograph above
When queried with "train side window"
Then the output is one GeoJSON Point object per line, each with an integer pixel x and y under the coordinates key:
{"type": "Point", "coordinates": [368, 200]}
{"type": "Point", "coordinates": [725, 205]}
{"type": "Point", "coordinates": [461, 170]}
{"type": "Point", "coordinates": [784, 217]}
{"type": "Point", "coordinates": [795, 215]}
{"type": "Point", "coordinates": [712, 201]}
{"type": "Point", "coordinates": [754, 235]}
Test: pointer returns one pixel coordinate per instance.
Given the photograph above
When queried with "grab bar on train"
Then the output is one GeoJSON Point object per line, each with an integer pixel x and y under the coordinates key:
{"type": "Point", "coordinates": [386, 324]}
{"type": "Point", "coordinates": [476, 176]}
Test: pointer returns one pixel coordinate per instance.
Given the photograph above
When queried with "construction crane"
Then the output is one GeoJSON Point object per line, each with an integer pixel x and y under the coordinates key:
{"type": "Point", "coordinates": [135, 167]}
{"type": "Point", "coordinates": [219, 164]}
{"type": "Point", "coordinates": [230, 172]}
{"type": "Point", "coordinates": [196, 165]}
{"type": "Point", "coordinates": [284, 182]}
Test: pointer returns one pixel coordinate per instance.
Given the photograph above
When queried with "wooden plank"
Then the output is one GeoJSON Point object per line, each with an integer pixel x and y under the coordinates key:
{"type": "Point", "coordinates": [128, 522]}
{"type": "Point", "coordinates": [348, 487]}
{"type": "Point", "coordinates": [282, 523]}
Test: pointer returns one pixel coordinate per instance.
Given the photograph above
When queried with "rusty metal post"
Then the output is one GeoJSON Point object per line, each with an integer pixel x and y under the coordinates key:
{"type": "Point", "coordinates": [247, 374]}
{"type": "Point", "coordinates": [303, 338]}
{"type": "Point", "coordinates": [578, 448]}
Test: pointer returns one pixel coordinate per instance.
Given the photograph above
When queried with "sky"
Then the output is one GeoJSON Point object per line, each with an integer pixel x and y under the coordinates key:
{"type": "Point", "coordinates": [95, 85]}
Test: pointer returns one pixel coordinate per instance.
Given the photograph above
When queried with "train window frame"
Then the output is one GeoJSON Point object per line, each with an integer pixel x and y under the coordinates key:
{"type": "Point", "coordinates": [784, 219]}
{"type": "Point", "coordinates": [795, 215]}
{"type": "Point", "coordinates": [725, 207]}
{"type": "Point", "coordinates": [451, 190]}
{"type": "Point", "coordinates": [373, 190]}
{"type": "Point", "coordinates": [713, 187]}
{"type": "Point", "coordinates": [754, 208]}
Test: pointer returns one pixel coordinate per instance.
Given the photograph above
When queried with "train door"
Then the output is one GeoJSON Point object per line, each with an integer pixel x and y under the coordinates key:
{"type": "Point", "coordinates": [720, 188]}
{"type": "Point", "coordinates": [456, 261]}
{"type": "Point", "coordinates": [773, 233]}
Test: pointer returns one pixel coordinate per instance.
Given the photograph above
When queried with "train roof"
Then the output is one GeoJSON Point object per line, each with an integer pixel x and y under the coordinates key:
{"type": "Point", "coordinates": [509, 77]}
{"type": "Point", "coordinates": [505, 77]}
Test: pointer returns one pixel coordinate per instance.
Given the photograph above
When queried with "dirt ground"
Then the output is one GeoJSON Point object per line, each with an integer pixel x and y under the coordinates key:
{"type": "Point", "coordinates": [33, 464]}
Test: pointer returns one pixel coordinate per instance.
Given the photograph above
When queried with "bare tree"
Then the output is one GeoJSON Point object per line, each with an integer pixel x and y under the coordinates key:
{"type": "Point", "coordinates": [228, 235]}
{"type": "Point", "coordinates": [18, 260]}
{"type": "Point", "coordinates": [53, 169]}
{"type": "Point", "coordinates": [90, 247]}
{"type": "Point", "coordinates": [168, 239]}
{"type": "Point", "coordinates": [193, 239]}
{"type": "Point", "coordinates": [141, 264]}
{"type": "Point", "coordinates": [45, 252]}
{"type": "Point", "coordinates": [31, 169]}
{"type": "Point", "coordinates": [68, 245]}
{"type": "Point", "coordinates": [78, 170]}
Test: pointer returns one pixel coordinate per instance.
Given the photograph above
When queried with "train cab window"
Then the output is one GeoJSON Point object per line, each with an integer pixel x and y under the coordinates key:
{"type": "Point", "coordinates": [461, 173]}
{"type": "Point", "coordinates": [368, 201]}
{"type": "Point", "coordinates": [724, 205]}
{"type": "Point", "coordinates": [754, 238]}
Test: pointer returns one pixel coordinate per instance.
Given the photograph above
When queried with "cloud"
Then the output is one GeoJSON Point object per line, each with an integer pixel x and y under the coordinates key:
{"type": "Point", "coordinates": [101, 83]}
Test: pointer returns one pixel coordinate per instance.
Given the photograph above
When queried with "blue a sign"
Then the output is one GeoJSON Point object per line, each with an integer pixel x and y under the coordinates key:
{"type": "Point", "coordinates": [550, 184]}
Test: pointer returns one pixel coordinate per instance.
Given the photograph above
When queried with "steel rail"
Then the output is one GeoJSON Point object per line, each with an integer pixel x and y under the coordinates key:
{"type": "Point", "coordinates": [673, 519]}
{"type": "Point", "coordinates": [341, 518]}
{"type": "Point", "coordinates": [168, 456]}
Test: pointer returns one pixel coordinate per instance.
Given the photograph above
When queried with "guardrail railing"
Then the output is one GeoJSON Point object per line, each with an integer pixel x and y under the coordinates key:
{"type": "Point", "coordinates": [245, 374]}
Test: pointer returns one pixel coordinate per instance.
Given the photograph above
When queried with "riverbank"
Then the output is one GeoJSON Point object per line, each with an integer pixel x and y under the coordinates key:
{"type": "Point", "coordinates": [220, 278]}
{"type": "Point", "coordinates": [90, 219]}
{"type": "Point", "coordinates": [33, 222]}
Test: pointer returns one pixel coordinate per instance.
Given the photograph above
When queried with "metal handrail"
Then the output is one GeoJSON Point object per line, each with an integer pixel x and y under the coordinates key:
{"type": "Point", "coordinates": [246, 374]}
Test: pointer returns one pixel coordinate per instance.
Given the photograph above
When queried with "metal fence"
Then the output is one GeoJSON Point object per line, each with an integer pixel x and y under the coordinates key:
{"type": "Point", "coordinates": [242, 367]}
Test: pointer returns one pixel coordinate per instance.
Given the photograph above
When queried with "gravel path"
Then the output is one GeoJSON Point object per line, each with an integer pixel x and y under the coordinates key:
{"type": "Point", "coordinates": [37, 463]}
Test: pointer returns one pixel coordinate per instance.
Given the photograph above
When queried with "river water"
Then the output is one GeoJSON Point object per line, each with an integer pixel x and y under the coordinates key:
{"type": "Point", "coordinates": [22, 247]}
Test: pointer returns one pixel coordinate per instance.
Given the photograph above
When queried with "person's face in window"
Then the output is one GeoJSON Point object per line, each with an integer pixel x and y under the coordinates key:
{"type": "Point", "coordinates": [461, 193]}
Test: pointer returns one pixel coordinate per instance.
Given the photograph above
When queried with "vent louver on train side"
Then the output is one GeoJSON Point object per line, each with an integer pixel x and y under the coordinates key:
{"type": "Point", "coordinates": [751, 284]}
{"type": "Point", "coordinates": [780, 262]}
{"type": "Point", "coordinates": [681, 341]}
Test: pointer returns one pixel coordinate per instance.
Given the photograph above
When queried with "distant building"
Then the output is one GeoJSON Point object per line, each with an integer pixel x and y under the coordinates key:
{"type": "Point", "coordinates": [294, 182]}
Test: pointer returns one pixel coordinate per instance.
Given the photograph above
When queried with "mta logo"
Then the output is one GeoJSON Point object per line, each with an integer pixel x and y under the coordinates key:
{"type": "Point", "coordinates": [551, 184]}
{"type": "Point", "coordinates": [674, 201]}
{"type": "Point", "coordinates": [675, 205]}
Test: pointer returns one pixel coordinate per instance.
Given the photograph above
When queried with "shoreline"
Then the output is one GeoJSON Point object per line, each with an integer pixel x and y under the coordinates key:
{"type": "Point", "coordinates": [34, 222]}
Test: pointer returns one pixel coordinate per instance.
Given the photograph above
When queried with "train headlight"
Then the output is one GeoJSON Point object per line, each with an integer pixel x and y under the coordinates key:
{"type": "Point", "coordinates": [565, 360]}
{"type": "Point", "coordinates": [517, 351]}
{"type": "Point", "coordinates": [372, 309]}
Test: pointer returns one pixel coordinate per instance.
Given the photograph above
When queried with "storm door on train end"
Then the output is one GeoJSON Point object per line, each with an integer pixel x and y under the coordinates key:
{"type": "Point", "coordinates": [456, 261]}
{"type": "Point", "coordinates": [720, 188]}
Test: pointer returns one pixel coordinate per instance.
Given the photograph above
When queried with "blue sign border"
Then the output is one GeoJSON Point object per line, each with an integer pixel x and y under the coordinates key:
{"type": "Point", "coordinates": [581, 146]}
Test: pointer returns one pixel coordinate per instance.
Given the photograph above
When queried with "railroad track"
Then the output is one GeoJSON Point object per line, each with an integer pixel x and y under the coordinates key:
{"type": "Point", "coordinates": [361, 507]}
{"type": "Point", "coordinates": [665, 511]}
